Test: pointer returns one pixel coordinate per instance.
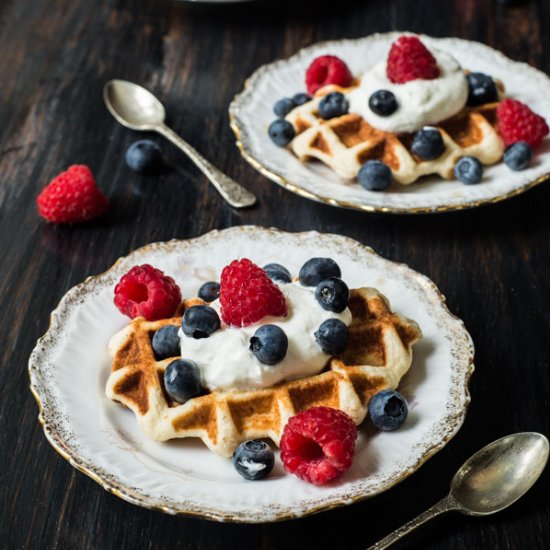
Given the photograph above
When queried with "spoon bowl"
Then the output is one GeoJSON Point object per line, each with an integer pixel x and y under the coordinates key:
{"type": "Point", "coordinates": [500, 473]}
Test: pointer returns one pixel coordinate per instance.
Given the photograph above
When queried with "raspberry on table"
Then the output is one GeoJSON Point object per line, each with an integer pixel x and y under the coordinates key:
{"type": "Point", "coordinates": [71, 197]}
{"type": "Point", "coordinates": [247, 294]}
{"type": "Point", "coordinates": [318, 444]}
{"type": "Point", "coordinates": [327, 69]}
{"type": "Point", "coordinates": [409, 60]}
{"type": "Point", "coordinates": [147, 292]}
{"type": "Point", "coordinates": [516, 122]}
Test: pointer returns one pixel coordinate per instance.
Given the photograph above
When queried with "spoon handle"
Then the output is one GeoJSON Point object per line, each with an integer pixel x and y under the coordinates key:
{"type": "Point", "coordinates": [444, 505]}
{"type": "Point", "coordinates": [234, 193]}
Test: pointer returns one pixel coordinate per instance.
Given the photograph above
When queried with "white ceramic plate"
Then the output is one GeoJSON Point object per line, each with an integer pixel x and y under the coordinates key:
{"type": "Point", "coordinates": [69, 368]}
{"type": "Point", "coordinates": [251, 113]}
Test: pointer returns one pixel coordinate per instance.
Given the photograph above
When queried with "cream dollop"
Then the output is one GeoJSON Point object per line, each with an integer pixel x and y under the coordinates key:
{"type": "Point", "coordinates": [420, 102]}
{"type": "Point", "coordinates": [226, 362]}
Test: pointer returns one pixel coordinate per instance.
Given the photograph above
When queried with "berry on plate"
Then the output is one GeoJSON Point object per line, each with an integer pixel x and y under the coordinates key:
{"type": "Point", "coordinates": [409, 60]}
{"type": "Point", "coordinates": [333, 105]}
{"type": "Point", "coordinates": [318, 444]}
{"type": "Point", "coordinates": [388, 410]}
{"type": "Point", "coordinates": [182, 380]}
{"type": "Point", "coordinates": [427, 143]}
{"type": "Point", "coordinates": [209, 291]}
{"type": "Point", "coordinates": [278, 273]}
{"type": "Point", "coordinates": [325, 70]}
{"type": "Point", "coordinates": [200, 322]}
{"type": "Point", "coordinates": [147, 292]}
{"type": "Point", "coordinates": [269, 344]}
{"type": "Point", "coordinates": [516, 122]}
{"type": "Point", "coordinates": [332, 336]}
{"type": "Point", "coordinates": [383, 103]}
{"type": "Point", "coordinates": [468, 170]}
{"type": "Point", "coordinates": [166, 342]}
{"type": "Point", "coordinates": [253, 459]}
{"type": "Point", "coordinates": [144, 156]}
{"type": "Point", "coordinates": [72, 197]}
{"type": "Point", "coordinates": [247, 294]}
{"type": "Point", "coordinates": [332, 294]}
{"type": "Point", "coordinates": [281, 132]}
{"type": "Point", "coordinates": [518, 156]}
{"type": "Point", "coordinates": [300, 98]}
{"type": "Point", "coordinates": [283, 106]}
{"type": "Point", "coordinates": [481, 89]}
{"type": "Point", "coordinates": [374, 175]}
{"type": "Point", "coordinates": [316, 270]}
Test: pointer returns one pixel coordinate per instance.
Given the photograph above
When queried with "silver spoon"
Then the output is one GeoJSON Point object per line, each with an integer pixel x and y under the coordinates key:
{"type": "Point", "coordinates": [138, 109]}
{"type": "Point", "coordinates": [489, 481]}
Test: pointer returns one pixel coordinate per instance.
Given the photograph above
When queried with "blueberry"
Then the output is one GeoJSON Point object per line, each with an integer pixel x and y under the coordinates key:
{"type": "Point", "coordinates": [281, 132]}
{"type": "Point", "coordinates": [283, 107]}
{"type": "Point", "coordinates": [468, 170]}
{"type": "Point", "coordinates": [277, 272]}
{"type": "Point", "coordinates": [253, 459]}
{"type": "Point", "coordinates": [518, 156]}
{"type": "Point", "coordinates": [166, 342]}
{"type": "Point", "coordinates": [200, 322]}
{"type": "Point", "coordinates": [144, 157]}
{"type": "Point", "coordinates": [209, 291]}
{"type": "Point", "coordinates": [332, 336]}
{"type": "Point", "coordinates": [269, 344]}
{"type": "Point", "coordinates": [301, 98]}
{"type": "Point", "coordinates": [332, 294]}
{"type": "Point", "coordinates": [374, 175]}
{"type": "Point", "coordinates": [481, 89]}
{"type": "Point", "coordinates": [383, 103]}
{"type": "Point", "coordinates": [182, 380]}
{"type": "Point", "coordinates": [316, 270]}
{"type": "Point", "coordinates": [388, 409]}
{"type": "Point", "coordinates": [427, 143]}
{"type": "Point", "coordinates": [333, 105]}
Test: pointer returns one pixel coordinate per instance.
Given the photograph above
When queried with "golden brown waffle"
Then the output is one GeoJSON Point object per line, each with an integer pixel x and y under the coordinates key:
{"type": "Point", "coordinates": [345, 143]}
{"type": "Point", "coordinates": [379, 353]}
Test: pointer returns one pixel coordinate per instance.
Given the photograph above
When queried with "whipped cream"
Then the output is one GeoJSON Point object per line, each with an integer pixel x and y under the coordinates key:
{"type": "Point", "coordinates": [420, 102]}
{"type": "Point", "coordinates": [226, 362]}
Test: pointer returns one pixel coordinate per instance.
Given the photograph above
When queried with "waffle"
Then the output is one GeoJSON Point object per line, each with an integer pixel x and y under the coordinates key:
{"type": "Point", "coordinates": [346, 142]}
{"type": "Point", "coordinates": [378, 354]}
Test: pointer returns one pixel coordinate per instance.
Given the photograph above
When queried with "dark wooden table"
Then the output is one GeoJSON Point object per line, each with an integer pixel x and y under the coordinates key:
{"type": "Point", "coordinates": [491, 263]}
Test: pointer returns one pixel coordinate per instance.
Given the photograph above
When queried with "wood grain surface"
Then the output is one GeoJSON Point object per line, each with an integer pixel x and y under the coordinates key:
{"type": "Point", "coordinates": [491, 263]}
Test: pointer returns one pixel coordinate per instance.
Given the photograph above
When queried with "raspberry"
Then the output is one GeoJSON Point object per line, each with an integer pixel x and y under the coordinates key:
{"type": "Point", "coordinates": [327, 69]}
{"type": "Point", "coordinates": [247, 294]}
{"type": "Point", "coordinates": [516, 122]}
{"type": "Point", "coordinates": [409, 59]}
{"type": "Point", "coordinates": [71, 197]}
{"type": "Point", "coordinates": [318, 444]}
{"type": "Point", "coordinates": [147, 292]}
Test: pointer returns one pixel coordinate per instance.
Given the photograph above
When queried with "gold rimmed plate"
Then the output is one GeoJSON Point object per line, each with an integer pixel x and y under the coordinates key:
{"type": "Point", "coordinates": [69, 368]}
{"type": "Point", "coordinates": [251, 113]}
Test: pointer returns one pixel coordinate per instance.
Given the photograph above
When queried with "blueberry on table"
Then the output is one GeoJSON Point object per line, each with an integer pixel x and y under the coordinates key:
{"type": "Point", "coordinates": [518, 156]}
{"type": "Point", "coordinates": [278, 273]}
{"type": "Point", "coordinates": [301, 98]}
{"type": "Point", "coordinates": [332, 105]}
{"type": "Point", "coordinates": [283, 106]}
{"type": "Point", "coordinates": [281, 132]}
{"type": "Point", "coordinates": [428, 143]}
{"type": "Point", "coordinates": [209, 291]}
{"type": "Point", "coordinates": [332, 336]}
{"type": "Point", "coordinates": [269, 344]}
{"type": "Point", "coordinates": [332, 294]}
{"type": "Point", "coordinates": [468, 170]}
{"type": "Point", "coordinates": [144, 156]}
{"type": "Point", "coordinates": [383, 103]}
{"type": "Point", "coordinates": [481, 89]}
{"type": "Point", "coordinates": [388, 410]}
{"type": "Point", "coordinates": [166, 342]}
{"type": "Point", "coordinates": [182, 380]}
{"type": "Point", "coordinates": [200, 322]}
{"type": "Point", "coordinates": [374, 175]}
{"type": "Point", "coordinates": [316, 270]}
{"type": "Point", "coordinates": [253, 459]}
